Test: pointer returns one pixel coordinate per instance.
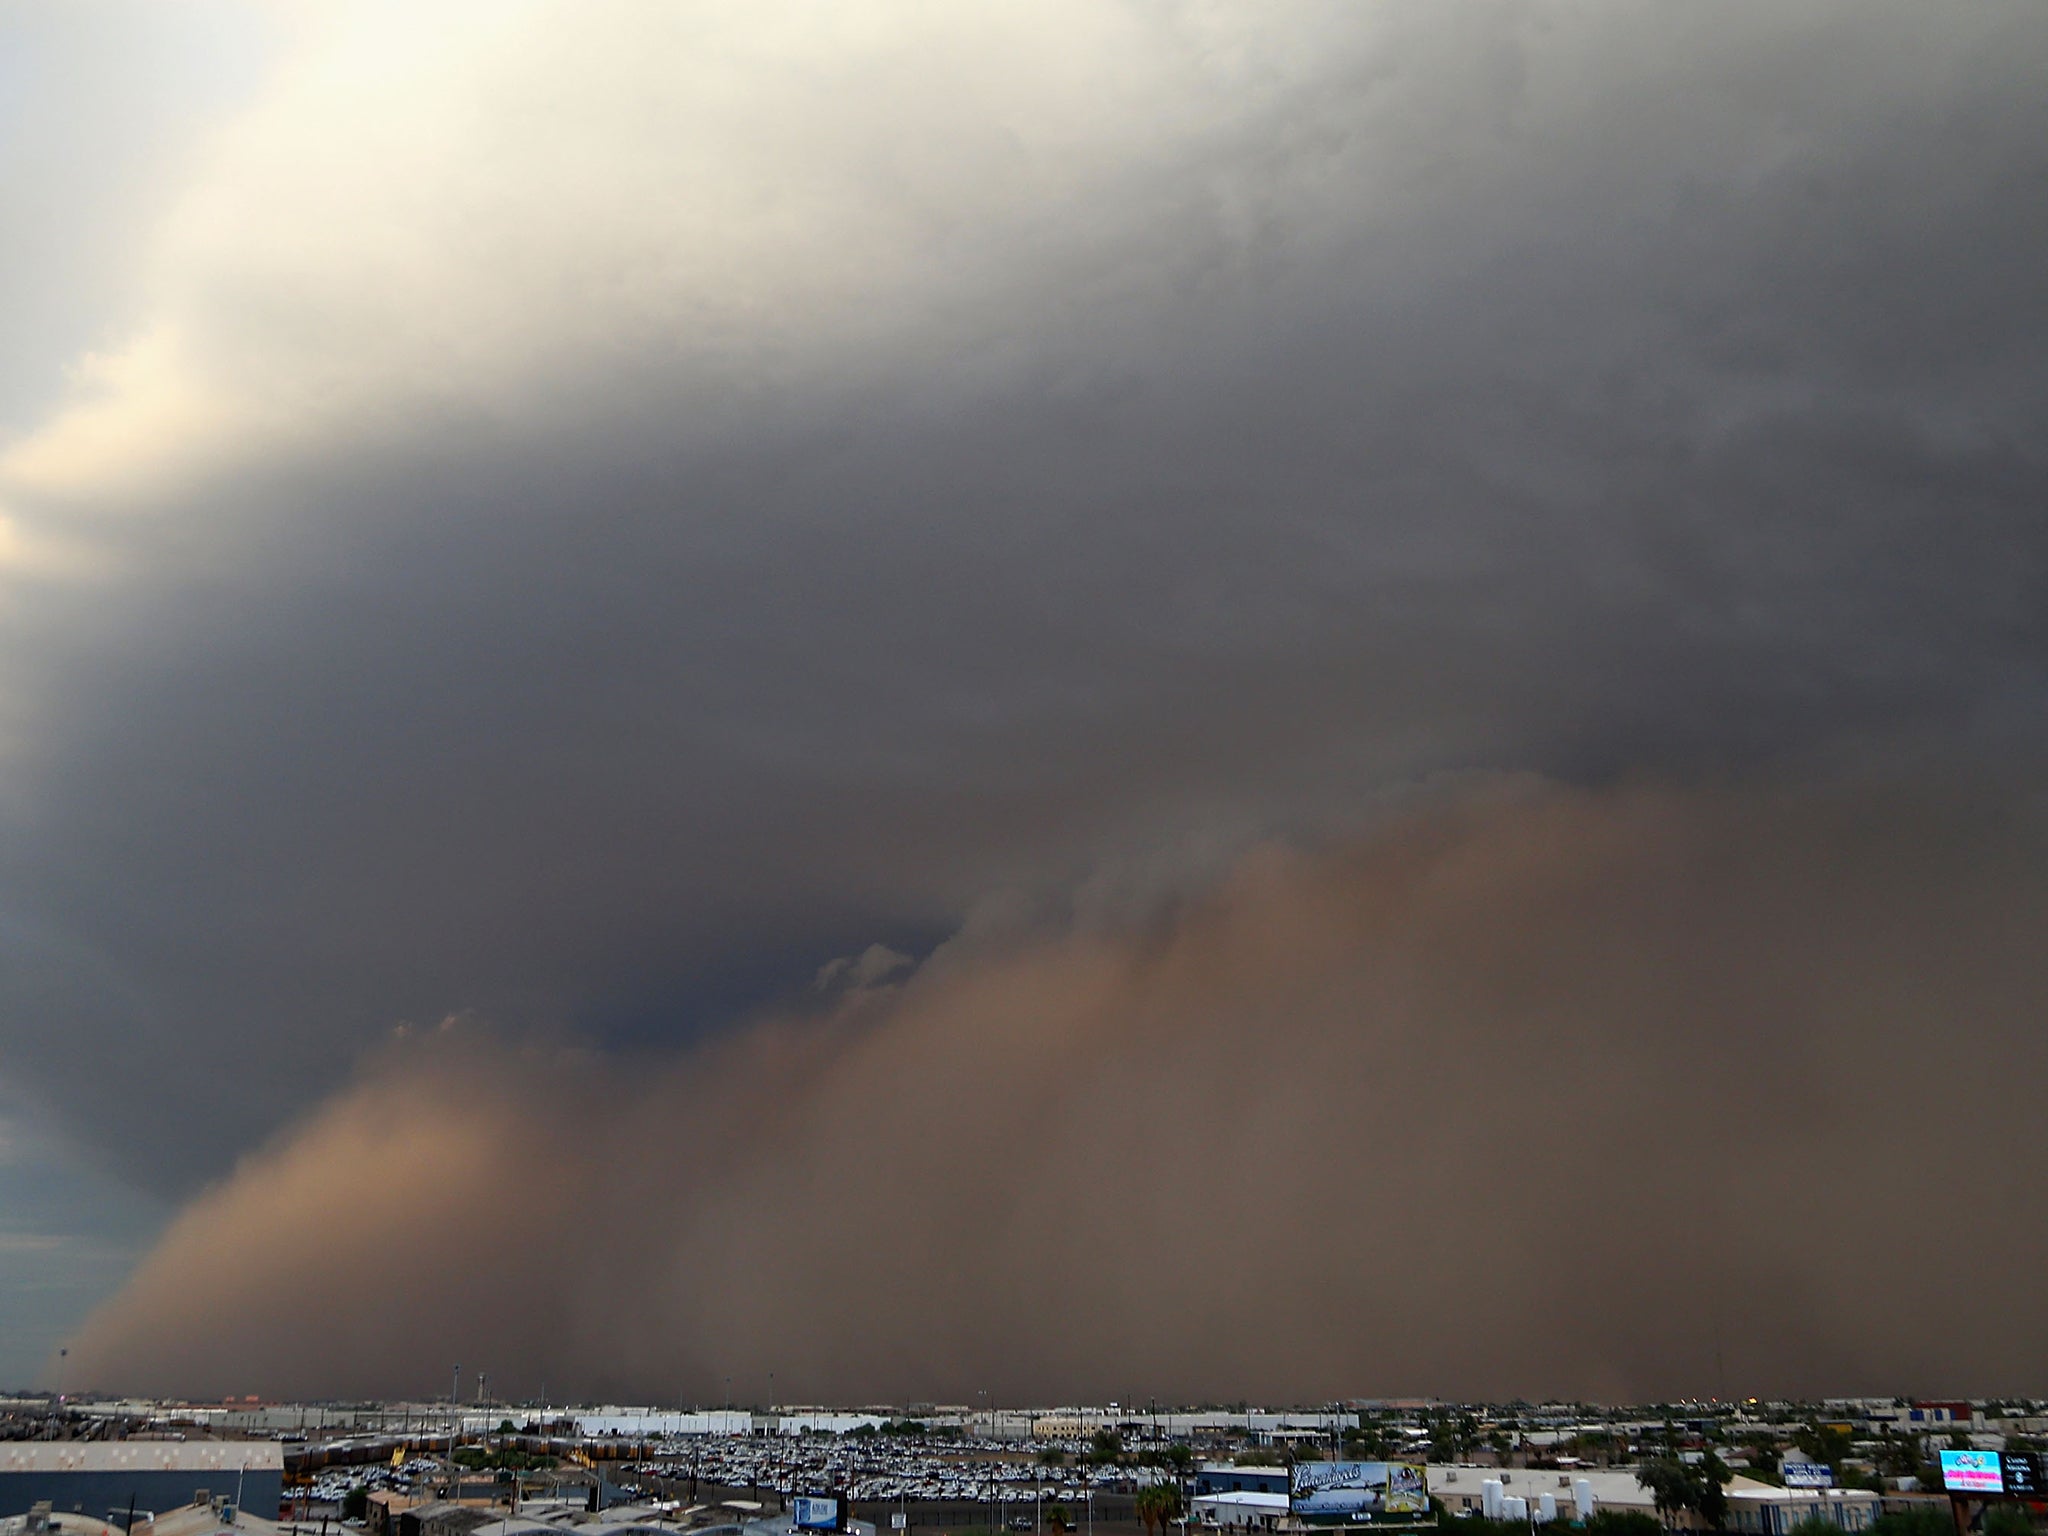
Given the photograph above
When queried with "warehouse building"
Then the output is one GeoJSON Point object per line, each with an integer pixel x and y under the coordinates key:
{"type": "Point", "coordinates": [1760, 1510]}
{"type": "Point", "coordinates": [1540, 1497]}
{"type": "Point", "coordinates": [1242, 1511]}
{"type": "Point", "coordinates": [103, 1477]}
{"type": "Point", "coordinates": [1226, 1477]}
{"type": "Point", "coordinates": [1573, 1495]}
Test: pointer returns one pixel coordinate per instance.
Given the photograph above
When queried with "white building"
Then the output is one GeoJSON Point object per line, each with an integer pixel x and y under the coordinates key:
{"type": "Point", "coordinates": [1462, 1487]}
{"type": "Point", "coordinates": [1252, 1424]}
{"type": "Point", "coordinates": [644, 1423]}
{"type": "Point", "coordinates": [826, 1423]}
{"type": "Point", "coordinates": [1754, 1508]}
{"type": "Point", "coordinates": [1761, 1510]}
{"type": "Point", "coordinates": [1244, 1511]}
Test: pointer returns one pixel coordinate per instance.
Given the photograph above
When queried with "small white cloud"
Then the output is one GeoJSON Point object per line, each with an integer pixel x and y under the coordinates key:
{"type": "Point", "coordinates": [871, 967]}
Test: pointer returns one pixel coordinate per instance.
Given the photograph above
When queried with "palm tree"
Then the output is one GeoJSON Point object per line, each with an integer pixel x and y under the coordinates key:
{"type": "Point", "coordinates": [1158, 1504]}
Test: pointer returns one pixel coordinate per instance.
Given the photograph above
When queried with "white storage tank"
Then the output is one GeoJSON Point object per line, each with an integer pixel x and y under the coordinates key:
{"type": "Point", "coordinates": [1546, 1508]}
{"type": "Point", "coordinates": [1490, 1498]}
{"type": "Point", "coordinates": [1514, 1507]}
{"type": "Point", "coordinates": [1582, 1495]}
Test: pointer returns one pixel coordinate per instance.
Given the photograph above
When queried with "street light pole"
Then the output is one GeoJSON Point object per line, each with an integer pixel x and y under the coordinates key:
{"type": "Point", "coordinates": [454, 1424]}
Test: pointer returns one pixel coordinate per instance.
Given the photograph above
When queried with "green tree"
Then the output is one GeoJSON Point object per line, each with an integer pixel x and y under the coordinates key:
{"type": "Point", "coordinates": [1671, 1486]}
{"type": "Point", "coordinates": [2007, 1520]}
{"type": "Point", "coordinates": [1451, 1438]}
{"type": "Point", "coordinates": [1106, 1448]}
{"type": "Point", "coordinates": [1711, 1477]}
{"type": "Point", "coordinates": [1622, 1522]}
{"type": "Point", "coordinates": [1895, 1456]}
{"type": "Point", "coordinates": [1052, 1456]}
{"type": "Point", "coordinates": [1822, 1443]}
{"type": "Point", "coordinates": [355, 1504]}
{"type": "Point", "coordinates": [1365, 1442]}
{"type": "Point", "coordinates": [1921, 1521]}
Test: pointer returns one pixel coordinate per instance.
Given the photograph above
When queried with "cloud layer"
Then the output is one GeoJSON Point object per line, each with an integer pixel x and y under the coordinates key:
{"type": "Point", "coordinates": [589, 518]}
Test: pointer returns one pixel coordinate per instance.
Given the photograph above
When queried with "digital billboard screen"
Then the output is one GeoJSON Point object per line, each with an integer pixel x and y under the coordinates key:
{"type": "Point", "coordinates": [1349, 1490]}
{"type": "Point", "coordinates": [1972, 1472]}
{"type": "Point", "coordinates": [812, 1514]}
{"type": "Point", "coordinates": [2023, 1474]}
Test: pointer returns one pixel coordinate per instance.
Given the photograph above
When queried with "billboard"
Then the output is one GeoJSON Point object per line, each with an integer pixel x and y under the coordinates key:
{"type": "Point", "coordinates": [1972, 1472]}
{"type": "Point", "coordinates": [811, 1514]}
{"type": "Point", "coordinates": [1807, 1474]}
{"type": "Point", "coordinates": [2023, 1474]}
{"type": "Point", "coordinates": [1357, 1490]}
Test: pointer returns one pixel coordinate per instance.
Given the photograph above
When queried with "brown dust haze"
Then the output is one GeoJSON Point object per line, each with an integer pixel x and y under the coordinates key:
{"type": "Point", "coordinates": [1615, 1095]}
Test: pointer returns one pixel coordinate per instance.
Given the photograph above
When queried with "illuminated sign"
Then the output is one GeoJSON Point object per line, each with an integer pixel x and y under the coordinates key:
{"type": "Point", "coordinates": [2023, 1474]}
{"type": "Point", "coordinates": [1972, 1472]}
{"type": "Point", "coordinates": [815, 1514]}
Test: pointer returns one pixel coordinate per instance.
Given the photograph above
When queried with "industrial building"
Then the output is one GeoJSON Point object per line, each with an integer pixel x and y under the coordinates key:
{"type": "Point", "coordinates": [1241, 1511]}
{"type": "Point", "coordinates": [1217, 1424]}
{"type": "Point", "coordinates": [1225, 1477]}
{"type": "Point", "coordinates": [642, 1423]}
{"type": "Point", "coordinates": [1538, 1496]}
{"type": "Point", "coordinates": [1573, 1495]}
{"type": "Point", "coordinates": [1761, 1510]}
{"type": "Point", "coordinates": [105, 1477]}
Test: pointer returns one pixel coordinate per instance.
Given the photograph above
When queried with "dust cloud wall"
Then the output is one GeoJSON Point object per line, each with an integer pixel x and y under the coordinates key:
{"type": "Point", "coordinates": [1617, 1094]}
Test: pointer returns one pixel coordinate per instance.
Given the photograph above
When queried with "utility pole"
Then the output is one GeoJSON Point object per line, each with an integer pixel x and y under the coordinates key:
{"type": "Point", "coordinates": [454, 1425]}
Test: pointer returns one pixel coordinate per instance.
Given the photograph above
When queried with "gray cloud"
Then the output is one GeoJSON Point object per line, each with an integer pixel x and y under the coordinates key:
{"type": "Point", "coordinates": [597, 520]}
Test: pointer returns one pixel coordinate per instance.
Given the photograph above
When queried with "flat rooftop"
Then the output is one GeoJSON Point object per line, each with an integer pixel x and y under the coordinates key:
{"type": "Point", "coordinates": [141, 1456]}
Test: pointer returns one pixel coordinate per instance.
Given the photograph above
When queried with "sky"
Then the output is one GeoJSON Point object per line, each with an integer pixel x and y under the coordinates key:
{"type": "Point", "coordinates": [1081, 700]}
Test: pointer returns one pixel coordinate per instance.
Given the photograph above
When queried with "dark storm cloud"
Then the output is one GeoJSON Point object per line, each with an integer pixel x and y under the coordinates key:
{"type": "Point", "coordinates": [608, 519]}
